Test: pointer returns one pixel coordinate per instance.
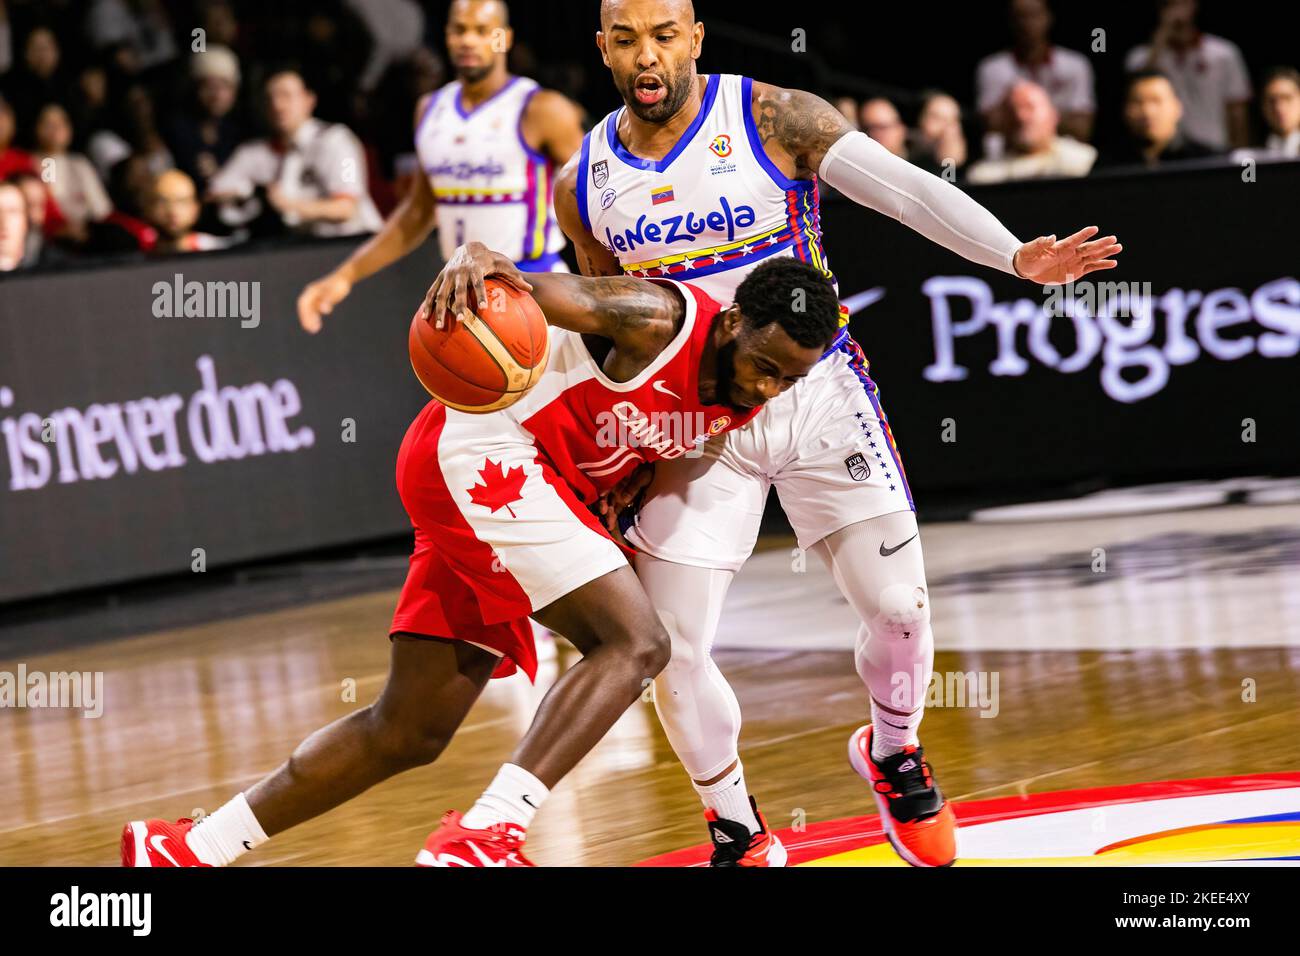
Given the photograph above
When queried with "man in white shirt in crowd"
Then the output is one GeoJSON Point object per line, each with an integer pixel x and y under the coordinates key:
{"type": "Point", "coordinates": [1066, 75]}
{"type": "Point", "coordinates": [1036, 151]}
{"type": "Point", "coordinates": [313, 173]}
{"type": "Point", "coordinates": [1207, 72]}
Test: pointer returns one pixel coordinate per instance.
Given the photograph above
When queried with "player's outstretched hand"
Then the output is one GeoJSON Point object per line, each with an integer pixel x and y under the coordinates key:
{"type": "Point", "coordinates": [468, 266]}
{"type": "Point", "coordinates": [1049, 261]}
{"type": "Point", "coordinates": [319, 298]}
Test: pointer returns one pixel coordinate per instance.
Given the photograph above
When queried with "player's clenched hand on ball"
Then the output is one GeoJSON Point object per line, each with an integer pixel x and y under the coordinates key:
{"type": "Point", "coordinates": [319, 298]}
{"type": "Point", "coordinates": [1049, 261]}
{"type": "Point", "coordinates": [462, 277]}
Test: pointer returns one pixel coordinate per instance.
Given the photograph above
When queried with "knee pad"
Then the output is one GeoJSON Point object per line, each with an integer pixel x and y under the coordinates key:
{"type": "Point", "coordinates": [904, 612]}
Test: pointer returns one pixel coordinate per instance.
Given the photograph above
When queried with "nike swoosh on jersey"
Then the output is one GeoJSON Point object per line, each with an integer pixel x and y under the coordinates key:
{"type": "Point", "coordinates": [659, 386]}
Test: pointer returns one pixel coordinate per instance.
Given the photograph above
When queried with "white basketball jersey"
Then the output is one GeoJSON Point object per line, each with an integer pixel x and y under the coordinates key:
{"type": "Point", "coordinates": [709, 211]}
{"type": "Point", "coordinates": [490, 185]}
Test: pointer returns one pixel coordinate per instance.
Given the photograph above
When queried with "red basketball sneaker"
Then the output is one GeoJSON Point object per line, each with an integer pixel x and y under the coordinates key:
{"type": "Point", "coordinates": [501, 844]}
{"type": "Point", "coordinates": [917, 819]}
{"type": "Point", "coordinates": [158, 843]}
{"type": "Point", "coordinates": [734, 845]}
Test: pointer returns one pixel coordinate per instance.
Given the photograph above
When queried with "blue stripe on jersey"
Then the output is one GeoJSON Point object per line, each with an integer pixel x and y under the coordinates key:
{"type": "Point", "coordinates": [584, 170]}
{"type": "Point", "coordinates": [756, 142]}
{"type": "Point", "coordinates": [661, 165]}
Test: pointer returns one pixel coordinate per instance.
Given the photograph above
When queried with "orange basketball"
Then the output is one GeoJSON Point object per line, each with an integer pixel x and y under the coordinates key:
{"type": "Point", "coordinates": [488, 362]}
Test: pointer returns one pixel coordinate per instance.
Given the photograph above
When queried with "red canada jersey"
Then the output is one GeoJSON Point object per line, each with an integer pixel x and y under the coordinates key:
{"type": "Point", "coordinates": [596, 431]}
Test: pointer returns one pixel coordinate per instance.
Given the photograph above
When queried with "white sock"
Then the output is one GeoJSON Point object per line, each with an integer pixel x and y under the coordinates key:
{"type": "Point", "coordinates": [729, 798]}
{"type": "Point", "coordinates": [514, 796]}
{"type": "Point", "coordinates": [222, 837]}
{"type": "Point", "coordinates": [890, 733]}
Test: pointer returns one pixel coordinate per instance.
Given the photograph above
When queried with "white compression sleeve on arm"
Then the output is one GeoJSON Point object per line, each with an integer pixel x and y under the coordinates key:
{"type": "Point", "coordinates": [872, 176]}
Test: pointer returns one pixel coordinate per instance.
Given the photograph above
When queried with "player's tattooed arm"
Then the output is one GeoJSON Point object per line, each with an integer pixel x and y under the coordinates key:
{"type": "Point", "coordinates": [640, 317]}
{"type": "Point", "coordinates": [796, 128]}
{"type": "Point", "coordinates": [593, 258]}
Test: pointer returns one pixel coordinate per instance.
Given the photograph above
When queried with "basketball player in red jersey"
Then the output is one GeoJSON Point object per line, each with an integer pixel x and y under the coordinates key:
{"type": "Point", "coordinates": [488, 144]}
{"type": "Point", "coordinates": [638, 371]}
{"type": "Point", "coordinates": [703, 178]}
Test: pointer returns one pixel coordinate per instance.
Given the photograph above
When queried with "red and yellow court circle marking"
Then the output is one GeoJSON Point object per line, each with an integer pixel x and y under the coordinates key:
{"type": "Point", "coordinates": [1253, 819]}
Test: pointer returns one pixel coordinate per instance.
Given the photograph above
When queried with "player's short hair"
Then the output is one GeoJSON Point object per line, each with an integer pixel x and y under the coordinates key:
{"type": "Point", "coordinates": [771, 293]}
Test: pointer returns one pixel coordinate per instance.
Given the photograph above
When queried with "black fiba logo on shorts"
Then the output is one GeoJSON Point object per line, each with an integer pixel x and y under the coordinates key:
{"type": "Point", "coordinates": [858, 468]}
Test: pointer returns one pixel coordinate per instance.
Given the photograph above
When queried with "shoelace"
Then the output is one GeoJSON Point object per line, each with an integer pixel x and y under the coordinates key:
{"type": "Point", "coordinates": [905, 783]}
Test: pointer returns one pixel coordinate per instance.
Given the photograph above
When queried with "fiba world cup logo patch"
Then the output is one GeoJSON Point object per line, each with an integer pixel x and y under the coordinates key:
{"type": "Point", "coordinates": [858, 468]}
{"type": "Point", "coordinates": [721, 146]}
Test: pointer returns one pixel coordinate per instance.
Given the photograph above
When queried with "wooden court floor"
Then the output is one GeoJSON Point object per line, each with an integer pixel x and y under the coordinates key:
{"type": "Point", "coordinates": [191, 716]}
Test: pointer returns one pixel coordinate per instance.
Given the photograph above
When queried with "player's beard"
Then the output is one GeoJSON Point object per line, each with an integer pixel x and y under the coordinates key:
{"type": "Point", "coordinates": [474, 74]}
{"type": "Point", "coordinates": [725, 376]}
{"type": "Point", "coordinates": [679, 90]}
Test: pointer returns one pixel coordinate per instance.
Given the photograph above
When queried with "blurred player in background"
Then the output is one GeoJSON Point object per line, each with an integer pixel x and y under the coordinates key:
{"type": "Point", "coordinates": [703, 178]}
{"type": "Point", "coordinates": [488, 143]}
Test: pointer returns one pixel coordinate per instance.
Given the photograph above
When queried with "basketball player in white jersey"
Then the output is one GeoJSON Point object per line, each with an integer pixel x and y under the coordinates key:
{"type": "Point", "coordinates": [489, 144]}
{"type": "Point", "coordinates": [701, 178]}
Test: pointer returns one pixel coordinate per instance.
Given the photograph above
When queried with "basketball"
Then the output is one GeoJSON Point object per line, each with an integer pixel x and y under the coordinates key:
{"type": "Point", "coordinates": [488, 362]}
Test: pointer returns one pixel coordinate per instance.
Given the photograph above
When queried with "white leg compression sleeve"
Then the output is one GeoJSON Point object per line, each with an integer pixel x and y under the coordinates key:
{"type": "Point", "coordinates": [883, 578]}
{"type": "Point", "coordinates": [696, 705]}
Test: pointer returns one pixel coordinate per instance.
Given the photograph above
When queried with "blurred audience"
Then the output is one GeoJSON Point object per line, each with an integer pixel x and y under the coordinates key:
{"type": "Point", "coordinates": [848, 108]}
{"type": "Point", "coordinates": [1207, 72]}
{"type": "Point", "coordinates": [204, 135]}
{"type": "Point", "coordinates": [137, 32]}
{"type": "Point", "coordinates": [1280, 101]}
{"type": "Point", "coordinates": [71, 178]}
{"type": "Point", "coordinates": [40, 78]}
{"type": "Point", "coordinates": [880, 121]}
{"type": "Point", "coordinates": [1152, 115]}
{"type": "Point", "coordinates": [312, 174]}
{"type": "Point", "coordinates": [938, 142]}
{"type": "Point", "coordinates": [14, 226]}
{"type": "Point", "coordinates": [1037, 150]}
{"type": "Point", "coordinates": [1065, 74]}
{"type": "Point", "coordinates": [173, 210]}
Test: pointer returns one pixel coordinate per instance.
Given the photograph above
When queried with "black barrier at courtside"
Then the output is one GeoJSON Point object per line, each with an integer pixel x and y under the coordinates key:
{"type": "Point", "coordinates": [239, 435]}
{"type": "Point", "coordinates": [231, 435]}
{"type": "Point", "coordinates": [992, 385]}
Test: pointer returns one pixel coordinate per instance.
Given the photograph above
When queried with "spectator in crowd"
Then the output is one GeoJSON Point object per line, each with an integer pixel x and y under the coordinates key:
{"type": "Point", "coordinates": [41, 79]}
{"type": "Point", "coordinates": [1065, 74]}
{"type": "Point", "coordinates": [880, 121]}
{"type": "Point", "coordinates": [134, 136]}
{"type": "Point", "coordinates": [14, 161]}
{"type": "Point", "coordinates": [1207, 72]}
{"type": "Point", "coordinates": [396, 29]}
{"type": "Point", "coordinates": [14, 227]}
{"type": "Point", "coordinates": [1280, 97]}
{"type": "Point", "coordinates": [172, 210]}
{"type": "Point", "coordinates": [848, 108]}
{"type": "Point", "coordinates": [313, 173]}
{"type": "Point", "coordinates": [1037, 148]}
{"type": "Point", "coordinates": [939, 143]}
{"type": "Point", "coordinates": [1153, 114]}
{"type": "Point", "coordinates": [6, 40]}
{"type": "Point", "coordinates": [137, 31]}
{"type": "Point", "coordinates": [72, 179]}
{"type": "Point", "coordinates": [204, 136]}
